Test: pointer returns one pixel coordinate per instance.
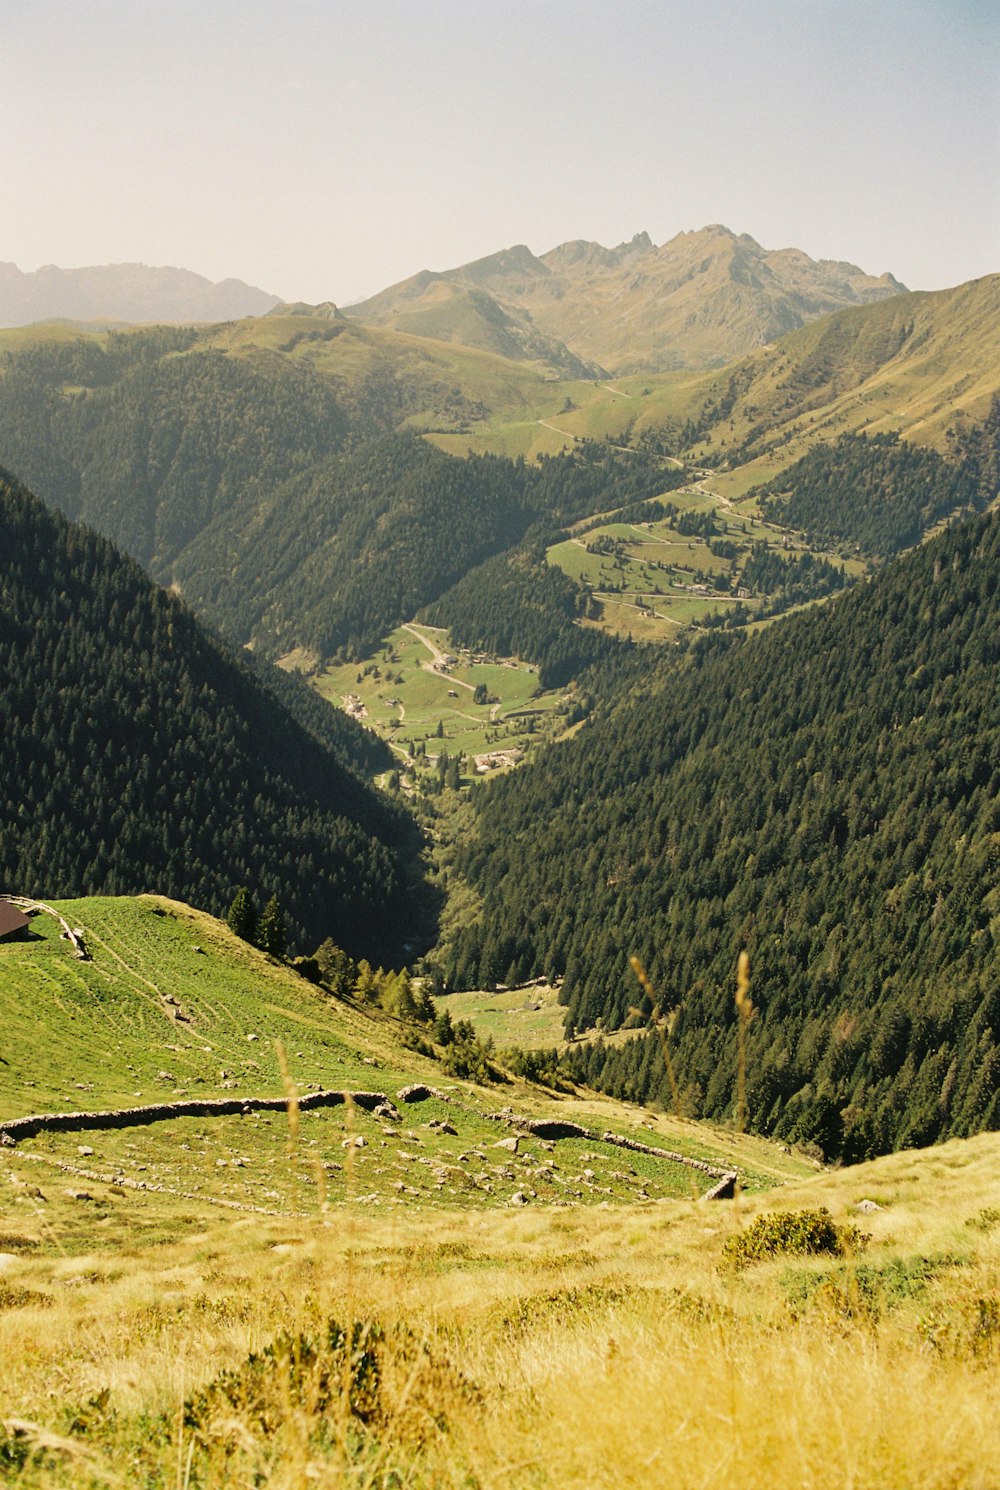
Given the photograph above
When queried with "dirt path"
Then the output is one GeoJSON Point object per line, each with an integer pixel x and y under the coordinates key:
{"type": "Point", "coordinates": [556, 430]}
{"type": "Point", "coordinates": [437, 659]}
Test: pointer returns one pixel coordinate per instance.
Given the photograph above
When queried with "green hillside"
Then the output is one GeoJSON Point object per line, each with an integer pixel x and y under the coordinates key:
{"type": "Point", "coordinates": [916, 364]}
{"type": "Point", "coordinates": [822, 795]}
{"type": "Point", "coordinates": [172, 1008]}
{"type": "Point", "coordinates": [186, 1280]}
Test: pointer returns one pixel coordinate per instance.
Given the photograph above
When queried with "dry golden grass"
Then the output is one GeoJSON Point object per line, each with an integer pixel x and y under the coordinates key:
{"type": "Point", "coordinates": [560, 1347]}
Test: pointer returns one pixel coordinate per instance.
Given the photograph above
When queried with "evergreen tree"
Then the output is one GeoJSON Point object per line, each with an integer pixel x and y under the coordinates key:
{"type": "Point", "coordinates": [242, 917]}
{"type": "Point", "coordinates": [444, 1030]}
{"type": "Point", "coordinates": [271, 929]}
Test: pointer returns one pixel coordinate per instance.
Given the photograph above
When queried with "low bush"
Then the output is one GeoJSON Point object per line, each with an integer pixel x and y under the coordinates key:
{"type": "Point", "coordinates": [792, 1233]}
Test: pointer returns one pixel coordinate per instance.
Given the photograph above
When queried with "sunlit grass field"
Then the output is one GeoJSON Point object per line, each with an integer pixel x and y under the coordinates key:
{"type": "Point", "coordinates": [405, 700]}
{"type": "Point", "coordinates": [555, 1312]}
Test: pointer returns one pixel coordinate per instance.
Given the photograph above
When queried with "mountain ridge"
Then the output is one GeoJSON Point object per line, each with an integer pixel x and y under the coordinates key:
{"type": "Point", "coordinates": [127, 292]}
{"type": "Point", "coordinates": [704, 297]}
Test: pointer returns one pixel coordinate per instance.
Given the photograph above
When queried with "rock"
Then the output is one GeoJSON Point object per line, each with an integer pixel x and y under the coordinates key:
{"type": "Point", "coordinates": [357, 1142]}
{"type": "Point", "coordinates": [7, 1259]}
{"type": "Point", "coordinates": [519, 1198]}
{"type": "Point", "coordinates": [84, 1150]}
{"type": "Point", "coordinates": [725, 1189]}
{"type": "Point", "coordinates": [510, 1144]}
{"type": "Point", "coordinates": [79, 1195]}
{"type": "Point", "coordinates": [867, 1206]}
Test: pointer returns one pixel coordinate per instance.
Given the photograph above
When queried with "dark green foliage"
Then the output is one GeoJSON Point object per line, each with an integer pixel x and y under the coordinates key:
{"type": "Point", "coordinates": [877, 492]}
{"type": "Point", "coordinates": [792, 1233]}
{"type": "Point", "coordinates": [517, 605]}
{"type": "Point", "coordinates": [468, 1057]}
{"type": "Point", "coordinates": [271, 929]}
{"type": "Point", "coordinates": [242, 916]}
{"type": "Point", "coordinates": [226, 474]}
{"type": "Point", "coordinates": [824, 795]}
{"type": "Point", "coordinates": [156, 446]}
{"type": "Point", "coordinates": [337, 970]}
{"type": "Point", "coordinates": [140, 754]}
{"type": "Point", "coordinates": [296, 1373]}
{"type": "Point", "coordinates": [444, 1030]}
{"type": "Point", "coordinates": [789, 581]}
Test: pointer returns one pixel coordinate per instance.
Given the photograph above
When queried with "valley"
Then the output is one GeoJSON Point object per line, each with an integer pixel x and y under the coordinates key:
{"type": "Point", "coordinates": [382, 688]}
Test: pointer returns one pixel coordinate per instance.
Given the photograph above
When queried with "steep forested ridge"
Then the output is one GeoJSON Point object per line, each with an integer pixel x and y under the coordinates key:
{"type": "Point", "coordinates": [825, 795]}
{"type": "Point", "coordinates": [140, 754]}
{"type": "Point", "coordinates": [876, 492]}
{"type": "Point", "coordinates": [148, 440]}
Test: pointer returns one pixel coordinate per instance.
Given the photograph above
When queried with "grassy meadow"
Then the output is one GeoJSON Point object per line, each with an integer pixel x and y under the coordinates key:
{"type": "Point", "coordinates": [402, 695]}
{"type": "Point", "coordinates": [652, 580]}
{"type": "Point", "coordinates": [336, 1298]}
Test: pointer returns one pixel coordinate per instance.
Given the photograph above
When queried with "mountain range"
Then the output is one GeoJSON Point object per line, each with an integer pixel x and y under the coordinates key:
{"type": "Point", "coordinates": [123, 293]}
{"type": "Point", "coordinates": [702, 299]}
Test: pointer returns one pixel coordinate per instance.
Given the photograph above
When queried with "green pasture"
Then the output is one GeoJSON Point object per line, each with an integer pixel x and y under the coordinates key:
{"type": "Point", "coordinates": [405, 699]}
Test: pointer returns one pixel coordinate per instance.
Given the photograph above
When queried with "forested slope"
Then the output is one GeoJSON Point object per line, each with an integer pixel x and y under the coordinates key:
{"type": "Point", "coordinates": [283, 512]}
{"type": "Point", "coordinates": [140, 754]}
{"type": "Point", "coordinates": [825, 795]}
{"type": "Point", "coordinates": [878, 493]}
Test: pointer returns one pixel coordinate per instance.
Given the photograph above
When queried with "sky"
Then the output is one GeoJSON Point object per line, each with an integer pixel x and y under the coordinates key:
{"type": "Point", "coordinates": [322, 149]}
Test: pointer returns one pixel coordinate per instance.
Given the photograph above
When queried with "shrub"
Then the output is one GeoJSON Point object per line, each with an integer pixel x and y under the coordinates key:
{"type": "Point", "coordinates": [792, 1233]}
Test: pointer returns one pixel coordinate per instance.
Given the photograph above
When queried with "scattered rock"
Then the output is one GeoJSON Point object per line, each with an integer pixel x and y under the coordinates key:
{"type": "Point", "coordinates": [357, 1142]}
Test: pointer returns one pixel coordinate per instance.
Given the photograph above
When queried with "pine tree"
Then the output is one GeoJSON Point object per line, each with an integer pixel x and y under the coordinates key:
{"type": "Point", "coordinates": [242, 917]}
{"type": "Point", "coordinates": [271, 929]}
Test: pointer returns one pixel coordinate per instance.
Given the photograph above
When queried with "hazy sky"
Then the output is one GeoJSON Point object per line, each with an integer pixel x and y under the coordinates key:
{"type": "Point", "coordinates": [324, 149]}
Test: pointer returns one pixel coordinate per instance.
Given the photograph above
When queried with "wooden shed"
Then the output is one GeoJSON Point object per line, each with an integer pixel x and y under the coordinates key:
{"type": "Point", "coordinates": [13, 922]}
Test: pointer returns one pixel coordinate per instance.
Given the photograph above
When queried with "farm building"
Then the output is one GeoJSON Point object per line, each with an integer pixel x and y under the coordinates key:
{"type": "Point", "coordinates": [13, 923]}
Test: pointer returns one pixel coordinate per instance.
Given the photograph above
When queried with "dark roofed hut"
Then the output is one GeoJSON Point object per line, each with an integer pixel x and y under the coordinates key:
{"type": "Point", "coordinates": [13, 923]}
